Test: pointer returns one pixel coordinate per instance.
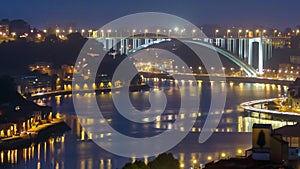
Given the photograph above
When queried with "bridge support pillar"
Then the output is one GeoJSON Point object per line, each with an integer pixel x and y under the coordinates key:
{"type": "Point", "coordinates": [134, 43]}
{"type": "Point", "coordinates": [270, 49]}
{"type": "Point", "coordinates": [241, 48]}
{"type": "Point", "coordinates": [260, 57]}
{"type": "Point", "coordinates": [229, 45]}
{"type": "Point", "coordinates": [122, 46]}
{"type": "Point", "coordinates": [127, 46]}
{"type": "Point", "coordinates": [222, 43]}
{"type": "Point", "coordinates": [146, 41]}
{"type": "Point", "coordinates": [109, 43]}
{"type": "Point", "coordinates": [234, 46]}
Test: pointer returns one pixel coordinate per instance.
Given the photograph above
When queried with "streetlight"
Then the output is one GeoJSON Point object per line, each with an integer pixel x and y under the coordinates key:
{"type": "Point", "coordinates": [247, 33]}
{"type": "Point", "coordinates": [70, 31]}
{"type": "Point", "coordinates": [57, 31]}
{"type": "Point", "coordinates": [275, 31]}
{"type": "Point", "coordinates": [133, 31]}
{"type": "Point", "coordinates": [157, 31]}
{"type": "Point", "coordinates": [82, 32]}
{"type": "Point", "coordinates": [239, 32]}
{"type": "Point", "coordinates": [257, 32]}
{"type": "Point", "coordinates": [146, 31]}
{"type": "Point", "coordinates": [170, 30]}
{"type": "Point", "coordinates": [297, 32]}
{"type": "Point", "coordinates": [193, 32]}
{"type": "Point", "coordinates": [176, 29]}
{"type": "Point", "coordinates": [102, 33]}
{"type": "Point", "coordinates": [216, 32]}
{"type": "Point", "coordinates": [90, 32]}
{"type": "Point", "coordinates": [264, 32]}
{"type": "Point", "coordinates": [181, 32]}
{"type": "Point", "coordinates": [194, 162]}
{"type": "Point", "coordinates": [228, 31]}
{"type": "Point", "coordinates": [108, 32]}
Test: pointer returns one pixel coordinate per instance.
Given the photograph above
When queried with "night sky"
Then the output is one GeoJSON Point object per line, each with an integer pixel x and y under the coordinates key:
{"type": "Point", "coordinates": [95, 13]}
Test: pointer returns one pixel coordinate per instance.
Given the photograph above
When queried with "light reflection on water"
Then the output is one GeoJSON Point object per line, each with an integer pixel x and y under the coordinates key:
{"type": "Point", "coordinates": [75, 149]}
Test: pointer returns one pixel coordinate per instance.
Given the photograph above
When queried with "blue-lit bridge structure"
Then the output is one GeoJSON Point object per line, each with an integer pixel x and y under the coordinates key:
{"type": "Point", "coordinates": [241, 51]}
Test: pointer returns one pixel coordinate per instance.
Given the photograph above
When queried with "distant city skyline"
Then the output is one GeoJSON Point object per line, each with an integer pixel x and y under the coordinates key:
{"type": "Point", "coordinates": [95, 13]}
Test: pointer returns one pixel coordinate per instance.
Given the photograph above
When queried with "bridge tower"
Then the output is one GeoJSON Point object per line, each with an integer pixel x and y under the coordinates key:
{"type": "Point", "coordinates": [244, 48]}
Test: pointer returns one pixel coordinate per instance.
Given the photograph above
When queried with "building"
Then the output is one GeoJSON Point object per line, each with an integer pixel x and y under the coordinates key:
{"type": "Point", "coordinates": [36, 84]}
{"type": "Point", "coordinates": [42, 67]}
{"type": "Point", "coordinates": [293, 100]}
{"type": "Point", "coordinates": [17, 117]}
{"type": "Point", "coordinates": [267, 145]}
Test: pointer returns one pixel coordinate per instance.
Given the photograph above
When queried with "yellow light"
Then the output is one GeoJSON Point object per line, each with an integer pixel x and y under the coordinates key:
{"type": "Point", "coordinates": [240, 31]}
{"type": "Point", "coordinates": [57, 31]}
{"type": "Point", "coordinates": [228, 30]}
{"type": "Point", "coordinates": [181, 165]}
{"type": "Point", "coordinates": [209, 158]}
{"type": "Point", "coordinates": [257, 30]}
{"type": "Point", "coordinates": [195, 161]}
{"type": "Point", "coordinates": [217, 31]}
{"type": "Point", "coordinates": [223, 155]}
{"type": "Point", "coordinates": [239, 151]}
{"type": "Point", "coordinates": [82, 30]}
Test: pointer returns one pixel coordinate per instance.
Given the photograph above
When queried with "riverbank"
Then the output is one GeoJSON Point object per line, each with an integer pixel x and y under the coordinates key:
{"type": "Point", "coordinates": [206, 77]}
{"type": "Point", "coordinates": [99, 90]}
{"type": "Point", "coordinates": [34, 135]}
{"type": "Point", "coordinates": [257, 108]}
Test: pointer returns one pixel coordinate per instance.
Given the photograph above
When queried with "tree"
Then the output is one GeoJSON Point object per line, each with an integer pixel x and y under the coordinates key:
{"type": "Point", "coordinates": [19, 26]}
{"type": "Point", "coordinates": [164, 161]}
{"type": "Point", "coordinates": [136, 165]}
{"type": "Point", "coordinates": [7, 88]}
{"type": "Point", "coordinates": [261, 141]}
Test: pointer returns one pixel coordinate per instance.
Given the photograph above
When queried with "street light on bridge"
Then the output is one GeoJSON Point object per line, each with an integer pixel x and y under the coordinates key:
{"type": "Point", "coordinates": [216, 32]}
{"type": "Point", "coordinates": [275, 31]}
{"type": "Point", "coordinates": [239, 32]}
{"type": "Point", "coordinates": [246, 34]}
{"type": "Point", "coordinates": [157, 31]}
{"type": "Point", "coordinates": [170, 30]}
{"type": "Point", "coordinates": [257, 32]}
{"type": "Point", "coordinates": [57, 31]}
{"type": "Point", "coordinates": [193, 33]}
{"type": "Point", "coordinates": [228, 31]}
{"type": "Point", "coordinates": [145, 32]}
{"type": "Point", "coordinates": [108, 32]}
{"type": "Point", "coordinates": [264, 32]}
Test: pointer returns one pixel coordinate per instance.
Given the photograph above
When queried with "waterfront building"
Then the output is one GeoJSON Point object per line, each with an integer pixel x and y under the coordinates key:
{"type": "Point", "coordinates": [293, 94]}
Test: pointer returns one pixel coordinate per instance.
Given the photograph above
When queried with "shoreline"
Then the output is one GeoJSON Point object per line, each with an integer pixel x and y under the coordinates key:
{"type": "Point", "coordinates": [35, 135]}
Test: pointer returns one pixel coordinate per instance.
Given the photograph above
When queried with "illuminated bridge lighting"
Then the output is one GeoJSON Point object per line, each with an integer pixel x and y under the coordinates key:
{"type": "Point", "coordinates": [248, 106]}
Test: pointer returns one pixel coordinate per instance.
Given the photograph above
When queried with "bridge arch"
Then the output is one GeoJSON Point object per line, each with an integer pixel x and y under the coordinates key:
{"type": "Point", "coordinates": [250, 71]}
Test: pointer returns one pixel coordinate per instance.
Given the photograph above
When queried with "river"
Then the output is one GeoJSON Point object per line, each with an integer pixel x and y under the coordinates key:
{"type": "Point", "coordinates": [75, 149]}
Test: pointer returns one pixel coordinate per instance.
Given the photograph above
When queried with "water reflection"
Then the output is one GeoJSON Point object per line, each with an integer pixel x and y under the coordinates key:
{"type": "Point", "coordinates": [75, 149]}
